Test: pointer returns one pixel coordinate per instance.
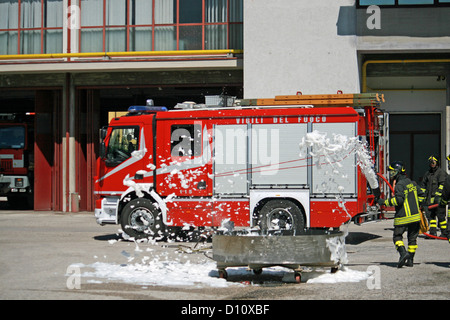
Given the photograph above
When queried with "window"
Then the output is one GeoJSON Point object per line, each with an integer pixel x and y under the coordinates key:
{"type": "Point", "coordinates": [31, 26]}
{"type": "Point", "coordinates": [123, 141]}
{"type": "Point", "coordinates": [12, 137]}
{"type": "Point", "coordinates": [36, 26]}
{"type": "Point", "coordinates": [399, 3]}
{"type": "Point", "coordinates": [415, 1]}
{"type": "Point", "coordinates": [147, 25]}
{"type": "Point", "coordinates": [141, 30]}
{"type": "Point", "coordinates": [186, 140]}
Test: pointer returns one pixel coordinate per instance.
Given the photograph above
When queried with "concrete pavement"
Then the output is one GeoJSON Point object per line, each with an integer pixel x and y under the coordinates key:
{"type": "Point", "coordinates": [37, 249]}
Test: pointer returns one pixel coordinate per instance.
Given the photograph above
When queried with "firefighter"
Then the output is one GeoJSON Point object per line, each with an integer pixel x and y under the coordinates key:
{"type": "Point", "coordinates": [407, 214]}
{"type": "Point", "coordinates": [444, 199]}
{"type": "Point", "coordinates": [432, 185]}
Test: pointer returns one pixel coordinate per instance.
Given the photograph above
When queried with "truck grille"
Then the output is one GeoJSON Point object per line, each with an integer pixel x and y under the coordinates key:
{"type": "Point", "coordinates": [6, 166]}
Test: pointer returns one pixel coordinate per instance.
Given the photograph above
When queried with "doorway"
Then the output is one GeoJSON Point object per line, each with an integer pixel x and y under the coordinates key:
{"type": "Point", "coordinates": [413, 138]}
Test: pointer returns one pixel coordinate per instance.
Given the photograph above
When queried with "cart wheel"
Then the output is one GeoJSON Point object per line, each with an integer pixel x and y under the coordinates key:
{"type": "Point", "coordinates": [334, 269]}
{"type": "Point", "coordinates": [298, 277]}
{"type": "Point", "coordinates": [223, 274]}
{"type": "Point", "coordinates": [257, 271]}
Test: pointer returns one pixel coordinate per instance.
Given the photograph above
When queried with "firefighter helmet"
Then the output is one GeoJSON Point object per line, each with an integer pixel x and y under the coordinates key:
{"type": "Point", "coordinates": [433, 159]}
{"type": "Point", "coordinates": [396, 168]}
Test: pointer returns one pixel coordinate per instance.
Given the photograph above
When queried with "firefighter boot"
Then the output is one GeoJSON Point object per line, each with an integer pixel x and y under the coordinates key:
{"type": "Point", "coordinates": [443, 227]}
{"type": "Point", "coordinates": [403, 256]}
{"type": "Point", "coordinates": [410, 260]}
{"type": "Point", "coordinates": [433, 228]}
{"type": "Point", "coordinates": [411, 251]}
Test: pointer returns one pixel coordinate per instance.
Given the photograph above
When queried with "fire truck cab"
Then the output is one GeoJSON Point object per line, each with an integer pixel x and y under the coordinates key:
{"type": "Point", "coordinates": [205, 165]}
{"type": "Point", "coordinates": [15, 179]}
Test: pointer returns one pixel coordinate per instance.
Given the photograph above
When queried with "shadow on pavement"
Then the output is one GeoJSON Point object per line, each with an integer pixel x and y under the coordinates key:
{"type": "Point", "coordinates": [356, 238]}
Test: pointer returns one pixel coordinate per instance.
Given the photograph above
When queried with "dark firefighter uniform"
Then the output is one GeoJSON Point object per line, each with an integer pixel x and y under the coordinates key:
{"type": "Point", "coordinates": [407, 212]}
{"type": "Point", "coordinates": [432, 185]}
{"type": "Point", "coordinates": [445, 195]}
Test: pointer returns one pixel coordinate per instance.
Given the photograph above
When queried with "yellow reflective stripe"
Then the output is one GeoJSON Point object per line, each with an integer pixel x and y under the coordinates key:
{"type": "Point", "coordinates": [399, 243]}
{"type": "Point", "coordinates": [406, 220]}
{"type": "Point", "coordinates": [394, 202]}
{"type": "Point", "coordinates": [416, 199]}
{"type": "Point", "coordinates": [407, 208]}
{"type": "Point", "coordinates": [443, 224]}
{"type": "Point", "coordinates": [412, 249]}
{"type": "Point", "coordinates": [433, 223]}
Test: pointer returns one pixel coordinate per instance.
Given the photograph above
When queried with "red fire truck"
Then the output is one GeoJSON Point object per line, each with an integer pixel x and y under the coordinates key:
{"type": "Point", "coordinates": [205, 165]}
{"type": "Point", "coordinates": [15, 178]}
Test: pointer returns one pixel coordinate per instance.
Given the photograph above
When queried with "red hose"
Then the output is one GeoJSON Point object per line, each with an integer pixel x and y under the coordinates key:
{"type": "Point", "coordinates": [429, 207]}
{"type": "Point", "coordinates": [387, 182]}
{"type": "Point", "coordinates": [435, 237]}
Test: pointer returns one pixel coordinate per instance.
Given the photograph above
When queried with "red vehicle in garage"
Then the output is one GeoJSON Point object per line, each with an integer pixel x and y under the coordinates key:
{"type": "Point", "coordinates": [15, 154]}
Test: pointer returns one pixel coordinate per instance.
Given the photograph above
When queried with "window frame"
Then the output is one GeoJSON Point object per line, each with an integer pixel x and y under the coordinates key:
{"type": "Point", "coordinates": [42, 29]}
{"type": "Point", "coordinates": [23, 144]}
{"type": "Point", "coordinates": [196, 140]}
{"type": "Point", "coordinates": [229, 23]}
{"type": "Point", "coordinates": [396, 4]}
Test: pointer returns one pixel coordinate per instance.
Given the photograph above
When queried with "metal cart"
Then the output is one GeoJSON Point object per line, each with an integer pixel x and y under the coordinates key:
{"type": "Point", "coordinates": [257, 252]}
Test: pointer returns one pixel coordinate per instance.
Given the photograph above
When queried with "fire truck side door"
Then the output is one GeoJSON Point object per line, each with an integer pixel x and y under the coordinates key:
{"type": "Point", "coordinates": [184, 159]}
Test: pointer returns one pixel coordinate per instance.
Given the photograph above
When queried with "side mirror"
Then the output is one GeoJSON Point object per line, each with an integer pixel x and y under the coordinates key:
{"type": "Point", "coordinates": [103, 132]}
{"type": "Point", "coordinates": [102, 149]}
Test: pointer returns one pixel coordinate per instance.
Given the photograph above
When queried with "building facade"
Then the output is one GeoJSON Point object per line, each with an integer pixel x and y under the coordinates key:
{"type": "Point", "coordinates": [72, 62]}
{"type": "Point", "coordinates": [397, 47]}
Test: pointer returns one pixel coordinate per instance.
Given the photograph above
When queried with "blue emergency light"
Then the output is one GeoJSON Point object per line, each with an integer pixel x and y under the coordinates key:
{"type": "Point", "coordinates": [145, 109]}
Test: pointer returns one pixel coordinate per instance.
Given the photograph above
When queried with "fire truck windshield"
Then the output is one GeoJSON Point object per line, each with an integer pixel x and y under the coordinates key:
{"type": "Point", "coordinates": [12, 137]}
{"type": "Point", "coordinates": [123, 141]}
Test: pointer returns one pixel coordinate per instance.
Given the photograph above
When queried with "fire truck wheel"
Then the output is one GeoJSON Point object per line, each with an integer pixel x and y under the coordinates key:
{"type": "Point", "coordinates": [141, 219]}
{"type": "Point", "coordinates": [281, 215]}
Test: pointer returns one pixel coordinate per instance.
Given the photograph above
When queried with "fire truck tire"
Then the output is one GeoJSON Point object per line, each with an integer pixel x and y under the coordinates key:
{"type": "Point", "coordinates": [141, 219]}
{"type": "Point", "coordinates": [281, 215]}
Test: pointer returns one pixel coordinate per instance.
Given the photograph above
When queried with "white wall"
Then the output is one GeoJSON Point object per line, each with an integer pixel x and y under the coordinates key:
{"type": "Point", "coordinates": [293, 45]}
